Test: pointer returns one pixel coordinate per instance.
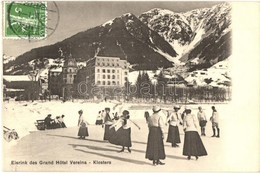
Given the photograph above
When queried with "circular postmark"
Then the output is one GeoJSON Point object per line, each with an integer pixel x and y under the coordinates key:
{"type": "Point", "coordinates": [33, 21]}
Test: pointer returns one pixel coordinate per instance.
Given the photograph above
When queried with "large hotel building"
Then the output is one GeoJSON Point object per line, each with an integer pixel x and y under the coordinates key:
{"type": "Point", "coordinates": [107, 71]}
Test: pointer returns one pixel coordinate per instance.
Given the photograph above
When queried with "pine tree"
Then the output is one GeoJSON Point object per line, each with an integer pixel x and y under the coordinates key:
{"type": "Point", "coordinates": [161, 85]}
{"type": "Point", "coordinates": [138, 85]}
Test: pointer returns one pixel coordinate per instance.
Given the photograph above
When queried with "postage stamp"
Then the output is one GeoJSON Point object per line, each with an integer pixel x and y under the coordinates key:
{"type": "Point", "coordinates": [25, 20]}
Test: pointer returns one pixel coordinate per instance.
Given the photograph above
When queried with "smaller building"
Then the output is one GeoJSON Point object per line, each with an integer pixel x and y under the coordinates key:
{"type": "Point", "coordinates": [21, 87]}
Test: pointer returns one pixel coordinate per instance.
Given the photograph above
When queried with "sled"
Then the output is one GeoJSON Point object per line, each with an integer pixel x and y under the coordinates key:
{"type": "Point", "coordinates": [10, 134]}
{"type": "Point", "coordinates": [40, 124]}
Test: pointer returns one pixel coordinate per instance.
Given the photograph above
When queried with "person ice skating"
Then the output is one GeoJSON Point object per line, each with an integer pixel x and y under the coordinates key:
{"type": "Point", "coordinates": [155, 147]}
{"type": "Point", "coordinates": [193, 145]}
{"type": "Point", "coordinates": [99, 120]}
{"type": "Point", "coordinates": [49, 122]}
{"type": "Point", "coordinates": [202, 120]}
{"type": "Point", "coordinates": [215, 122]}
{"type": "Point", "coordinates": [82, 123]}
{"type": "Point", "coordinates": [122, 136]}
{"type": "Point", "coordinates": [61, 120]}
{"type": "Point", "coordinates": [173, 132]}
{"type": "Point", "coordinates": [108, 122]}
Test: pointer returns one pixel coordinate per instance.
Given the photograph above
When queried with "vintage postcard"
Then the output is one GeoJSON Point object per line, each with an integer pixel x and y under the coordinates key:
{"type": "Point", "coordinates": [130, 86]}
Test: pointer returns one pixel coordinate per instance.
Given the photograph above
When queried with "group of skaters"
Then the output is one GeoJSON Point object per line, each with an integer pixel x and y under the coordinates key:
{"type": "Point", "coordinates": [58, 122]}
{"type": "Point", "coordinates": [117, 130]}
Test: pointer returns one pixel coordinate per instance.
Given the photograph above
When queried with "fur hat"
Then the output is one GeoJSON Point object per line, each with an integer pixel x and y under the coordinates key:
{"type": "Point", "coordinates": [176, 107]}
{"type": "Point", "coordinates": [80, 111]}
{"type": "Point", "coordinates": [125, 112]}
{"type": "Point", "coordinates": [156, 108]}
{"type": "Point", "coordinates": [107, 109]}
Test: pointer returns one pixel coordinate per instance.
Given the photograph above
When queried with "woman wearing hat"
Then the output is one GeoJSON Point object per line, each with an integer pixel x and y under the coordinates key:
{"type": "Point", "coordinates": [193, 145]}
{"type": "Point", "coordinates": [82, 123]}
{"type": "Point", "coordinates": [173, 132]}
{"type": "Point", "coordinates": [122, 136]}
{"type": "Point", "coordinates": [155, 147]}
{"type": "Point", "coordinates": [108, 122]}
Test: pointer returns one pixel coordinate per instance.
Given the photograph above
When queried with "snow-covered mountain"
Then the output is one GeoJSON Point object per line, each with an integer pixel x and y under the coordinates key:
{"type": "Point", "coordinates": [192, 32]}
{"type": "Point", "coordinates": [159, 38]}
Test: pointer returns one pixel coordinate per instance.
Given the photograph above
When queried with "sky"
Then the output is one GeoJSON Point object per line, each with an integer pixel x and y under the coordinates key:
{"type": "Point", "coordinates": [77, 16]}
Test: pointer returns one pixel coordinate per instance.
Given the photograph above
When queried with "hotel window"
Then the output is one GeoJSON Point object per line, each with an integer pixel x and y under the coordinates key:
{"type": "Point", "coordinates": [117, 76]}
{"type": "Point", "coordinates": [113, 76]}
{"type": "Point", "coordinates": [104, 76]}
{"type": "Point", "coordinates": [117, 82]}
{"type": "Point", "coordinates": [108, 82]}
{"type": "Point", "coordinates": [117, 71]}
{"type": "Point", "coordinates": [98, 82]}
{"type": "Point", "coordinates": [104, 71]}
{"type": "Point", "coordinates": [113, 83]}
{"type": "Point", "coordinates": [125, 73]}
{"type": "Point", "coordinates": [108, 71]}
{"type": "Point", "coordinates": [103, 64]}
{"type": "Point", "coordinates": [118, 65]}
{"type": "Point", "coordinates": [113, 71]}
{"type": "Point", "coordinates": [98, 64]}
{"type": "Point", "coordinates": [104, 82]}
{"type": "Point", "coordinates": [98, 76]}
{"type": "Point", "coordinates": [125, 78]}
{"type": "Point", "coordinates": [113, 64]}
{"type": "Point", "coordinates": [107, 64]}
{"type": "Point", "coordinates": [98, 70]}
{"type": "Point", "coordinates": [108, 76]}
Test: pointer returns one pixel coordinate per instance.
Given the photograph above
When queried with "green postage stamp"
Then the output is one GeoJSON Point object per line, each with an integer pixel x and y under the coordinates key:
{"type": "Point", "coordinates": [25, 20]}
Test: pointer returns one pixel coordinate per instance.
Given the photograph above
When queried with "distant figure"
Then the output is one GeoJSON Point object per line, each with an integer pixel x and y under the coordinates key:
{"type": "Point", "coordinates": [108, 122]}
{"type": "Point", "coordinates": [215, 122]}
{"type": "Point", "coordinates": [99, 120]}
{"type": "Point", "coordinates": [122, 136]}
{"type": "Point", "coordinates": [193, 145]}
{"type": "Point", "coordinates": [155, 147]}
{"type": "Point", "coordinates": [202, 120]}
{"type": "Point", "coordinates": [173, 132]}
{"type": "Point", "coordinates": [82, 123]}
{"type": "Point", "coordinates": [61, 120]}
{"type": "Point", "coordinates": [49, 123]}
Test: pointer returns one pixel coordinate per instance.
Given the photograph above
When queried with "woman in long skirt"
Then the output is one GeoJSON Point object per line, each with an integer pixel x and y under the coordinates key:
{"type": "Point", "coordinates": [193, 145]}
{"type": "Point", "coordinates": [173, 132]}
{"type": "Point", "coordinates": [108, 122]}
{"type": "Point", "coordinates": [155, 147]}
{"type": "Point", "coordinates": [122, 136]}
{"type": "Point", "coordinates": [82, 123]}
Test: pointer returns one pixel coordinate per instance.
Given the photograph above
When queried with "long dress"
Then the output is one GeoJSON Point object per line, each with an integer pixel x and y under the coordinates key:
{"type": "Point", "coordinates": [122, 136]}
{"type": "Point", "coordinates": [193, 145]}
{"type": "Point", "coordinates": [83, 129]}
{"type": "Point", "coordinates": [108, 123]}
{"type": "Point", "coordinates": [155, 147]}
{"type": "Point", "coordinates": [173, 131]}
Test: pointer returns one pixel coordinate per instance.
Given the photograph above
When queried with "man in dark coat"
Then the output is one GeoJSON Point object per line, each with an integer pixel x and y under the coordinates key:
{"type": "Point", "coordinates": [48, 122]}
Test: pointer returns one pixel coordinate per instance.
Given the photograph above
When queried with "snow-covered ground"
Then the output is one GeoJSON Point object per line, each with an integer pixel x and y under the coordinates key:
{"type": "Point", "coordinates": [62, 144]}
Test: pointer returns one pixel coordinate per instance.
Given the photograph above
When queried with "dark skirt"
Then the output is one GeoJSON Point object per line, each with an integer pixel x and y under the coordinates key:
{"type": "Point", "coordinates": [106, 133]}
{"type": "Point", "coordinates": [83, 131]}
{"type": "Point", "coordinates": [155, 147]}
{"type": "Point", "coordinates": [193, 145]}
{"type": "Point", "coordinates": [203, 123]}
{"type": "Point", "coordinates": [121, 137]}
{"type": "Point", "coordinates": [173, 135]}
{"type": "Point", "coordinates": [99, 122]}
